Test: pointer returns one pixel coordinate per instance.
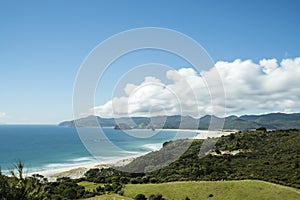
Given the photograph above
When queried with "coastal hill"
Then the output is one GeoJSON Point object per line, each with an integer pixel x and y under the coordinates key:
{"type": "Point", "coordinates": [271, 156]}
{"type": "Point", "coordinates": [243, 165]}
{"type": "Point", "coordinates": [244, 122]}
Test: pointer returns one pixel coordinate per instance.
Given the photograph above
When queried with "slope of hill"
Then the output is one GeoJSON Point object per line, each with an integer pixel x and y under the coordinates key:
{"type": "Point", "coordinates": [218, 190]}
{"type": "Point", "coordinates": [271, 156]}
{"type": "Point", "coordinates": [276, 120]}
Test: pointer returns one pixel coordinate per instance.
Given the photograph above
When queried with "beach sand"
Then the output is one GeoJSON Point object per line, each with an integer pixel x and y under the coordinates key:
{"type": "Point", "coordinates": [204, 134]}
{"type": "Point", "coordinates": [79, 171]}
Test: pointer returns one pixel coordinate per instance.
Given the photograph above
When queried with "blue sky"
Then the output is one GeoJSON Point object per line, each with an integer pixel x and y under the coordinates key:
{"type": "Point", "coordinates": [43, 43]}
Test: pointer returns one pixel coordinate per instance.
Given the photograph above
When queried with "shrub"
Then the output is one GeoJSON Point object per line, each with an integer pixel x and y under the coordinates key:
{"type": "Point", "coordinates": [140, 197]}
{"type": "Point", "coordinates": [156, 197]}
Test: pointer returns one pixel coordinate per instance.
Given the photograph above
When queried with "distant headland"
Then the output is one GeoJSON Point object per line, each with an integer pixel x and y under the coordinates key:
{"type": "Point", "coordinates": [245, 122]}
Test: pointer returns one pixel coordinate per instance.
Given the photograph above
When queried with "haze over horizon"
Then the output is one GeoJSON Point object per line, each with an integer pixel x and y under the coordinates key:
{"type": "Point", "coordinates": [254, 44]}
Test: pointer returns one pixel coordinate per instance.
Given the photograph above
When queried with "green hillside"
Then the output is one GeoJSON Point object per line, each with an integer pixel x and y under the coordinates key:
{"type": "Point", "coordinates": [272, 156]}
{"type": "Point", "coordinates": [217, 190]}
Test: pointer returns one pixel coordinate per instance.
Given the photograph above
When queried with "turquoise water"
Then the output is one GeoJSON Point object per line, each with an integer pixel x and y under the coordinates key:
{"type": "Point", "coordinates": [43, 147]}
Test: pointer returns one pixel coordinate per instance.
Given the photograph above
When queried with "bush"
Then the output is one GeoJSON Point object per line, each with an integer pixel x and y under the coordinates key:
{"type": "Point", "coordinates": [70, 193]}
{"type": "Point", "coordinates": [20, 187]}
{"type": "Point", "coordinates": [124, 180]}
{"type": "Point", "coordinates": [133, 181]}
{"type": "Point", "coordinates": [140, 197]}
{"type": "Point", "coordinates": [153, 180]}
{"type": "Point", "coordinates": [263, 129]}
{"type": "Point", "coordinates": [156, 197]}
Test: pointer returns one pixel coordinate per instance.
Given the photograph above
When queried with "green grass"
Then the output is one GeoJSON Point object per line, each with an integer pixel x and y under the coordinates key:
{"type": "Point", "coordinates": [110, 197]}
{"type": "Point", "coordinates": [230, 190]}
{"type": "Point", "coordinates": [89, 186]}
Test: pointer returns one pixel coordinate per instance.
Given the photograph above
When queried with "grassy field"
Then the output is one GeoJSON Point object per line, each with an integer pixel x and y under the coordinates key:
{"type": "Point", "coordinates": [90, 186]}
{"type": "Point", "coordinates": [110, 197]}
{"type": "Point", "coordinates": [231, 190]}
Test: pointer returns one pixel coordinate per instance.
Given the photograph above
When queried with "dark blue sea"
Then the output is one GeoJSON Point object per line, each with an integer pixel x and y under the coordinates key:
{"type": "Point", "coordinates": [43, 147]}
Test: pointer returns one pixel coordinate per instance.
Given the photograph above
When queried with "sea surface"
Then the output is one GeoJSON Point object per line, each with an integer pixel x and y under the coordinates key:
{"type": "Point", "coordinates": [43, 147]}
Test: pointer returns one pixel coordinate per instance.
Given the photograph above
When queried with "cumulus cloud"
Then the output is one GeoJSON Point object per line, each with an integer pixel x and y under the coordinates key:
{"type": "Point", "coordinates": [266, 86]}
{"type": "Point", "coordinates": [268, 65]}
{"type": "Point", "coordinates": [152, 97]}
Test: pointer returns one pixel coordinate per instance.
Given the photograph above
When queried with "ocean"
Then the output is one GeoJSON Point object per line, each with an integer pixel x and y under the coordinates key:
{"type": "Point", "coordinates": [44, 147]}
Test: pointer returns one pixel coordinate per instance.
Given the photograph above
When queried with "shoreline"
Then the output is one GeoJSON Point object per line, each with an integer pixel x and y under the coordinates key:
{"type": "Point", "coordinates": [204, 134]}
{"type": "Point", "coordinates": [75, 172]}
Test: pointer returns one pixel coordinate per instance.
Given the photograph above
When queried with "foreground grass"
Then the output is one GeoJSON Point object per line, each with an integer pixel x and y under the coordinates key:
{"type": "Point", "coordinates": [231, 190]}
{"type": "Point", "coordinates": [110, 197]}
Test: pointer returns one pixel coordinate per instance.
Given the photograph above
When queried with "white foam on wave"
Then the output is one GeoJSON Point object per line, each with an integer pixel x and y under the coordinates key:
{"type": "Point", "coordinates": [75, 162]}
{"type": "Point", "coordinates": [60, 165]}
{"type": "Point", "coordinates": [82, 159]}
{"type": "Point", "coordinates": [153, 146]}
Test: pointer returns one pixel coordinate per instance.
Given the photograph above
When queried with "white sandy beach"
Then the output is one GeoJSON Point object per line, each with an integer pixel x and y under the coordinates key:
{"type": "Point", "coordinates": [79, 171]}
{"type": "Point", "coordinates": [204, 134]}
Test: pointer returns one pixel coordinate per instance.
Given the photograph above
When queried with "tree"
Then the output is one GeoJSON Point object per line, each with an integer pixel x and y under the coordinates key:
{"type": "Point", "coordinates": [4, 187]}
{"type": "Point", "coordinates": [218, 151]}
{"type": "Point", "coordinates": [156, 197]}
{"type": "Point", "coordinates": [133, 181]}
{"type": "Point", "coordinates": [232, 136]}
{"type": "Point", "coordinates": [19, 187]}
{"type": "Point", "coordinates": [263, 129]}
{"type": "Point", "coordinates": [70, 193]}
{"type": "Point", "coordinates": [124, 180]}
{"type": "Point", "coordinates": [140, 197]}
{"type": "Point", "coordinates": [153, 180]}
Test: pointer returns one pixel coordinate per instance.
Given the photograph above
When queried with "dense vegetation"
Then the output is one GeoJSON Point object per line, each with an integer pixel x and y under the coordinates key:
{"type": "Point", "coordinates": [272, 156]}
{"type": "Point", "coordinates": [19, 187]}
{"type": "Point", "coordinates": [36, 187]}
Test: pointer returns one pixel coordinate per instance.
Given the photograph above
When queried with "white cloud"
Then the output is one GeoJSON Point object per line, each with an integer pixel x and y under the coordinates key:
{"type": "Point", "coordinates": [249, 90]}
{"type": "Point", "coordinates": [268, 65]}
{"type": "Point", "coordinates": [152, 97]}
{"type": "Point", "coordinates": [250, 87]}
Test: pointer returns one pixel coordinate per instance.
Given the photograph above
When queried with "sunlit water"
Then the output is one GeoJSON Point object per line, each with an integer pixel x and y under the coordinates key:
{"type": "Point", "coordinates": [43, 147]}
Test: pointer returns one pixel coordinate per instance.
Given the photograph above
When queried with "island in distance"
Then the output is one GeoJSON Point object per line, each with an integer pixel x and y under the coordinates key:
{"type": "Point", "coordinates": [244, 122]}
{"type": "Point", "coordinates": [122, 126]}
